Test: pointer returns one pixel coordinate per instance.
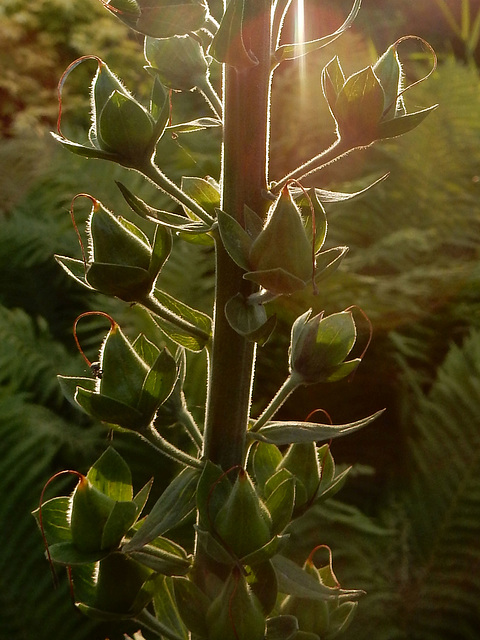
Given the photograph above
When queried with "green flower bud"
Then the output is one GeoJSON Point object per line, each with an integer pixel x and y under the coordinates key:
{"type": "Point", "coordinates": [121, 126]}
{"type": "Point", "coordinates": [319, 347]}
{"type": "Point", "coordinates": [179, 61]}
{"type": "Point", "coordinates": [130, 389]}
{"type": "Point", "coordinates": [114, 241]}
{"type": "Point", "coordinates": [121, 260]}
{"type": "Point", "coordinates": [368, 105]}
{"type": "Point", "coordinates": [125, 128]}
{"type": "Point", "coordinates": [321, 618]}
{"type": "Point", "coordinates": [236, 613]}
{"type": "Point", "coordinates": [280, 257]}
{"type": "Point", "coordinates": [243, 523]}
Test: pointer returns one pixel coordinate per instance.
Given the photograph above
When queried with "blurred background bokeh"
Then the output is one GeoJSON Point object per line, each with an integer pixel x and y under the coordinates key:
{"type": "Point", "coordinates": [406, 527]}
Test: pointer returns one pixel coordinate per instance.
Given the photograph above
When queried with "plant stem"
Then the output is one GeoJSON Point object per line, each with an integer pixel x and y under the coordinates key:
{"type": "Point", "coordinates": [153, 173]}
{"type": "Point", "coordinates": [334, 152]}
{"type": "Point", "coordinates": [246, 109]}
{"type": "Point", "coordinates": [186, 419]}
{"type": "Point", "coordinates": [210, 95]}
{"type": "Point", "coordinates": [287, 388]}
{"type": "Point", "coordinates": [152, 436]}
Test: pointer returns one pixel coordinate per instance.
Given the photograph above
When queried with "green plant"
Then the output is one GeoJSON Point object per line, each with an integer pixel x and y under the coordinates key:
{"type": "Point", "coordinates": [244, 483]}
{"type": "Point", "coordinates": [466, 27]}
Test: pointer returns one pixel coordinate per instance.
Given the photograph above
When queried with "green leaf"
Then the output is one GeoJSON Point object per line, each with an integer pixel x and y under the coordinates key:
{"type": "Point", "coordinates": [196, 318]}
{"type": "Point", "coordinates": [162, 246]}
{"type": "Point", "coordinates": [142, 496]}
{"type": "Point", "coordinates": [175, 504]}
{"type": "Point", "coordinates": [336, 335]}
{"type": "Point", "coordinates": [158, 384]}
{"type": "Point", "coordinates": [327, 262]}
{"type": "Point", "coordinates": [359, 107]}
{"type": "Point", "coordinates": [178, 61]}
{"type": "Point", "coordinates": [235, 239]}
{"type": "Point", "coordinates": [327, 490]}
{"type": "Point", "coordinates": [263, 582]}
{"type": "Point", "coordinates": [67, 553]}
{"type": "Point", "coordinates": [159, 105]}
{"type": "Point", "coordinates": [403, 124]}
{"type": "Point", "coordinates": [326, 197]}
{"type": "Point", "coordinates": [389, 71]}
{"type": "Point", "coordinates": [333, 80]}
{"type": "Point", "coordinates": [173, 19]}
{"type": "Point", "coordinates": [124, 127]}
{"type": "Point", "coordinates": [163, 556]}
{"type": "Point", "coordinates": [111, 475]}
{"type": "Point", "coordinates": [82, 150]}
{"type": "Point", "coordinates": [74, 268]}
{"type": "Point", "coordinates": [212, 492]}
{"type": "Point", "coordinates": [340, 618]}
{"type": "Point", "coordinates": [56, 525]}
{"type": "Point", "coordinates": [123, 371]}
{"type": "Point", "coordinates": [293, 580]}
{"type": "Point", "coordinates": [203, 192]}
{"type": "Point", "coordinates": [266, 458]}
{"type": "Point", "coordinates": [278, 281]}
{"type": "Point", "coordinates": [282, 628]}
{"type": "Point", "coordinates": [213, 548]}
{"type": "Point", "coordinates": [121, 518]}
{"type": "Point", "coordinates": [192, 605]}
{"type": "Point", "coordinates": [109, 410]}
{"type": "Point", "coordinates": [194, 125]}
{"type": "Point", "coordinates": [228, 46]}
{"type": "Point", "coordinates": [145, 349]}
{"type": "Point", "coordinates": [282, 433]}
{"type": "Point", "coordinates": [166, 611]}
{"type": "Point", "coordinates": [122, 281]}
{"type": "Point", "coordinates": [306, 203]}
{"type": "Point", "coordinates": [69, 384]}
{"type": "Point", "coordinates": [280, 504]}
{"type": "Point", "coordinates": [298, 49]}
{"type": "Point", "coordinates": [342, 370]}
{"type": "Point", "coordinates": [266, 552]}
{"type": "Point", "coordinates": [165, 218]}
{"type": "Point", "coordinates": [249, 320]}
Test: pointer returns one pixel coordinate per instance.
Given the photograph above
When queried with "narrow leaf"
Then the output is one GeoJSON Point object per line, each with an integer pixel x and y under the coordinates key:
{"type": "Point", "coordinates": [175, 504]}
{"type": "Point", "coordinates": [403, 124]}
{"type": "Point", "coordinates": [281, 433]}
{"type": "Point", "coordinates": [293, 580]}
{"type": "Point", "coordinates": [298, 49]}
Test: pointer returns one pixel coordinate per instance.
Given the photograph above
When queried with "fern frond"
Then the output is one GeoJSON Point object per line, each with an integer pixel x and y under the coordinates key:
{"type": "Point", "coordinates": [442, 503]}
{"type": "Point", "coordinates": [30, 358]}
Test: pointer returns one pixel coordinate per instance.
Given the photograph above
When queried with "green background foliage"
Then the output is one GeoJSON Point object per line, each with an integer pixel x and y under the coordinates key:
{"type": "Point", "coordinates": [407, 533]}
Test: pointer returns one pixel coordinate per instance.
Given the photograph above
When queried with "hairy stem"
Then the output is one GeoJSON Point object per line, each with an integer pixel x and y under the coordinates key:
{"type": "Point", "coordinates": [153, 173]}
{"type": "Point", "coordinates": [246, 111]}
{"type": "Point", "coordinates": [287, 388]}
{"type": "Point", "coordinates": [166, 448]}
{"type": "Point", "coordinates": [334, 152]}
